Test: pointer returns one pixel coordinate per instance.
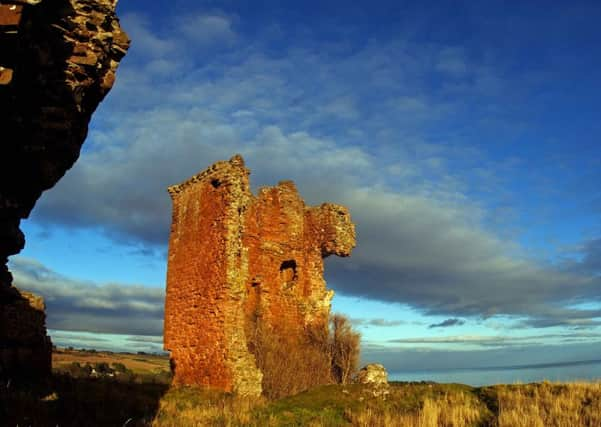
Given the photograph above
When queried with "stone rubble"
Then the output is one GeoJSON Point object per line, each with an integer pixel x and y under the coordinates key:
{"type": "Point", "coordinates": [373, 373]}
{"type": "Point", "coordinates": [375, 377]}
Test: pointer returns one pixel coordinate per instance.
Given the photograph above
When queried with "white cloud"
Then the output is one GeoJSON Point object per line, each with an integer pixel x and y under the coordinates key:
{"type": "Point", "coordinates": [145, 38]}
{"type": "Point", "coordinates": [208, 29]}
{"type": "Point", "coordinates": [422, 238]}
{"type": "Point", "coordinates": [77, 305]}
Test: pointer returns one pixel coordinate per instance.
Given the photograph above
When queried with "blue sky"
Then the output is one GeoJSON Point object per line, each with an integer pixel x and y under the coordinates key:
{"type": "Point", "coordinates": [463, 136]}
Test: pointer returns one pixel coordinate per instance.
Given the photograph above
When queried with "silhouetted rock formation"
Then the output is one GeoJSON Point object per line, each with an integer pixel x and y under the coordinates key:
{"type": "Point", "coordinates": [57, 62]}
{"type": "Point", "coordinates": [237, 260]}
{"type": "Point", "coordinates": [25, 349]}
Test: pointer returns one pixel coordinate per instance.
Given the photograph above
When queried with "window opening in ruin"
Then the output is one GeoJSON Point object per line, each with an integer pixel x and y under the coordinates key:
{"type": "Point", "coordinates": [288, 273]}
{"type": "Point", "coordinates": [215, 183]}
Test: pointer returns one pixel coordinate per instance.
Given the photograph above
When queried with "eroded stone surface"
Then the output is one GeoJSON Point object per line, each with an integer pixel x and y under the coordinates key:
{"type": "Point", "coordinates": [58, 60]}
{"type": "Point", "coordinates": [62, 56]}
{"type": "Point", "coordinates": [374, 374]}
{"type": "Point", "coordinates": [236, 259]}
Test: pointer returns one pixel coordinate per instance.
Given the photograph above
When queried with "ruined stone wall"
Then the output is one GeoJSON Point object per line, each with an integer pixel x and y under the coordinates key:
{"type": "Point", "coordinates": [203, 321]}
{"type": "Point", "coordinates": [287, 242]}
{"type": "Point", "coordinates": [236, 260]}
{"type": "Point", "coordinates": [25, 349]}
{"type": "Point", "coordinates": [58, 60]}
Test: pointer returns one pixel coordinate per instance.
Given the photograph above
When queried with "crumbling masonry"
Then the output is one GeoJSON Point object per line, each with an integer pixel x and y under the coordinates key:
{"type": "Point", "coordinates": [235, 257]}
{"type": "Point", "coordinates": [58, 59]}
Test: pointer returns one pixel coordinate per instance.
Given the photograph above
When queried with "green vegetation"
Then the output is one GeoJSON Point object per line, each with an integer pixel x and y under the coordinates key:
{"type": "Point", "coordinates": [135, 397]}
{"type": "Point", "coordinates": [68, 401]}
{"type": "Point", "coordinates": [406, 404]}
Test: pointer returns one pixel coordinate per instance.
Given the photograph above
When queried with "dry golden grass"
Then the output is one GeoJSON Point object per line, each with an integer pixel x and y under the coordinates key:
{"type": "Point", "coordinates": [550, 405]}
{"type": "Point", "coordinates": [407, 405]}
{"type": "Point", "coordinates": [85, 401]}
{"type": "Point", "coordinates": [327, 406]}
{"type": "Point", "coordinates": [193, 406]}
{"type": "Point", "coordinates": [452, 410]}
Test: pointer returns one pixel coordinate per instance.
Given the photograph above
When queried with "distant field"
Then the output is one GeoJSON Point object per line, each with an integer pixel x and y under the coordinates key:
{"type": "Point", "coordinates": [139, 363]}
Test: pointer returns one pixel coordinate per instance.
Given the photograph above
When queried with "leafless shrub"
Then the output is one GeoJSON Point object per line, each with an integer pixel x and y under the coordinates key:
{"type": "Point", "coordinates": [289, 365]}
{"type": "Point", "coordinates": [324, 354]}
{"type": "Point", "coordinates": [345, 348]}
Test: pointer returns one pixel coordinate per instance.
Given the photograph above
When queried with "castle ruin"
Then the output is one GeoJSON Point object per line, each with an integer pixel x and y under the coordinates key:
{"type": "Point", "coordinates": [236, 259]}
{"type": "Point", "coordinates": [58, 60]}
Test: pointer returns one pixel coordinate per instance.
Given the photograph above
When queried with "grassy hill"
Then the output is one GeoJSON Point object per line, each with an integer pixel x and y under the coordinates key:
{"type": "Point", "coordinates": [407, 404]}
{"type": "Point", "coordinates": [145, 399]}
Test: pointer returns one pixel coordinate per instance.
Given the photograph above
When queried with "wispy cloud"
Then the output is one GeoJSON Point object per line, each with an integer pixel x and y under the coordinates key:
{"type": "Point", "coordinates": [588, 258]}
{"type": "Point", "coordinates": [207, 28]}
{"type": "Point", "coordinates": [385, 323]}
{"type": "Point", "coordinates": [447, 323]}
{"type": "Point", "coordinates": [76, 305]}
{"type": "Point", "coordinates": [354, 125]}
{"type": "Point", "coordinates": [428, 358]}
{"type": "Point", "coordinates": [504, 340]}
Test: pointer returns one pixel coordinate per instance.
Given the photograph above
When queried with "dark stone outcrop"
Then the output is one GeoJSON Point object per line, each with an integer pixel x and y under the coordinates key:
{"type": "Point", "coordinates": [58, 60]}
{"type": "Point", "coordinates": [25, 349]}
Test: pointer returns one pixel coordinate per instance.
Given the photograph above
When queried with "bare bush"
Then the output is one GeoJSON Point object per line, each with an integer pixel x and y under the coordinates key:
{"type": "Point", "coordinates": [289, 365]}
{"type": "Point", "coordinates": [324, 354]}
{"type": "Point", "coordinates": [345, 348]}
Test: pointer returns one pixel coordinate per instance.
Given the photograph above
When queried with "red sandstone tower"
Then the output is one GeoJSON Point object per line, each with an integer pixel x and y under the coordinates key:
{"type": "Point", "coordinates": [235, 258]}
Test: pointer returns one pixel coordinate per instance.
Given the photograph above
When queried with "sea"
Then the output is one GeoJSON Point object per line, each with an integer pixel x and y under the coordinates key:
{"type": "Point", "coordinates": [587, 370]}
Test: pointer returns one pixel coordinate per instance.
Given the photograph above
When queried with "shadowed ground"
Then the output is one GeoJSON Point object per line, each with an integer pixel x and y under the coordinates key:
{"type": "Point", "coordinates": [68, 401]}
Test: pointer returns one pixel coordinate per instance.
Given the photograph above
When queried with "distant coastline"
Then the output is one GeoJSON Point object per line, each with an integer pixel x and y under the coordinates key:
{"type": "Point", "coordinates": [516, 367]}
{"type": "Point", "coordinates": [578, 370]}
